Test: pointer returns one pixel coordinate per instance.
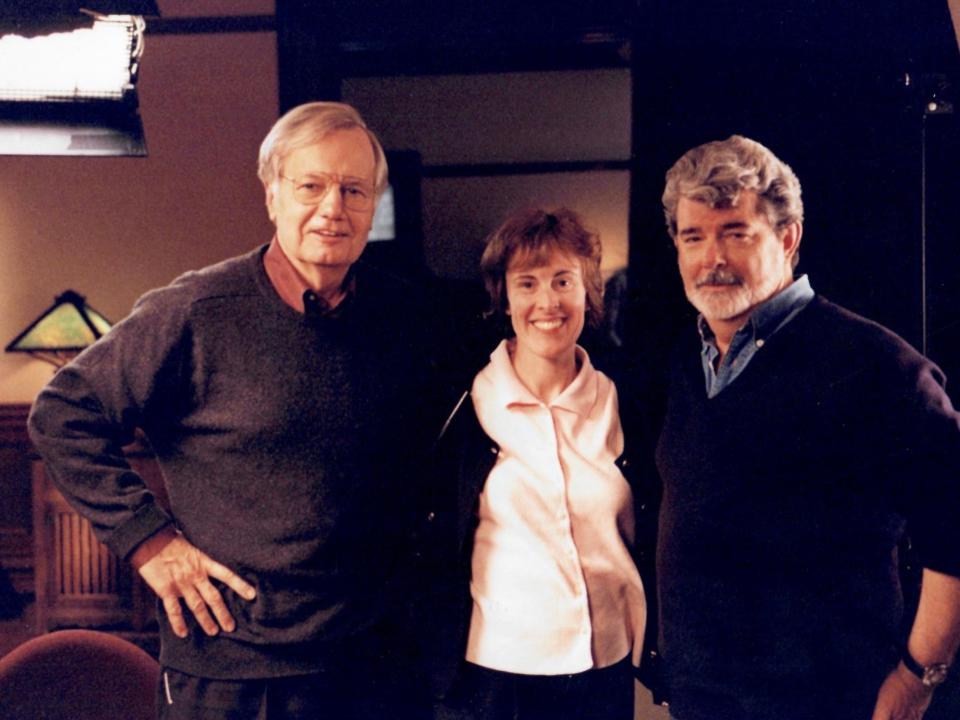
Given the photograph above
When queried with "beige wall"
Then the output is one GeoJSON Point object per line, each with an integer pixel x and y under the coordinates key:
{"type": "Point", "coordinates": [207, 8]}
{"type": "Point", "coordinates": [112, 228]}
{"type": "Point", "coordinates": [507, 118]}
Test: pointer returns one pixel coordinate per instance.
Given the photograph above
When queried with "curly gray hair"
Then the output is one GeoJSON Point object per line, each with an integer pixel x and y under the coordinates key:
{"type": "Point", "coordinates": [715, 174]}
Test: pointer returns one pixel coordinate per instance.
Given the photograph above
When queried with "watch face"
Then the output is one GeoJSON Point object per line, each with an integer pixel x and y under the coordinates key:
{"type": "Point", "coordinates": [934, 674]}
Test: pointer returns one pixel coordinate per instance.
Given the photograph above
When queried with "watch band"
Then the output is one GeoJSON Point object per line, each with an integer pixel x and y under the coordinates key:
{"type": "Point", "coordinates": [931, 675]}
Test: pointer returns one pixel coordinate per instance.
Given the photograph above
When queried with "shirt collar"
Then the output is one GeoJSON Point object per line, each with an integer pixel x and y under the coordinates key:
{"type": "Point", "coordinates": [770, 315]}
{"type": "Point", "coordinates": [293, 289]}
{"type": "Point", "coordinates": [578, 397]}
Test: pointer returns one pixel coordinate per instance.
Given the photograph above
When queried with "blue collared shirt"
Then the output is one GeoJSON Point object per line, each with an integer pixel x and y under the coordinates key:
{"type": "Point", "coordinates": [764, 321]}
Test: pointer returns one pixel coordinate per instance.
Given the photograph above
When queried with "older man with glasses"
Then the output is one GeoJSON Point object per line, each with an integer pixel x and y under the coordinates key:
{"type": "Point", "coordinates": [272, 387]}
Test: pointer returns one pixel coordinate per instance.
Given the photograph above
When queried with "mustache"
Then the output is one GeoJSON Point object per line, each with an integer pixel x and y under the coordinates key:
{"type": "Point", "coordinates": [721, 277]}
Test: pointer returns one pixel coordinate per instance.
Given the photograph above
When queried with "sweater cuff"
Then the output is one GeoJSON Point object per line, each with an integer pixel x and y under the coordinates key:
{"type": "Point", "coordinates": [147, 521]}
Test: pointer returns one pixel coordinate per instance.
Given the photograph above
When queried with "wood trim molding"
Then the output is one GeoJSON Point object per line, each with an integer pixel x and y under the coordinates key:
{"type": "Point", "coordinates": [13, 424]}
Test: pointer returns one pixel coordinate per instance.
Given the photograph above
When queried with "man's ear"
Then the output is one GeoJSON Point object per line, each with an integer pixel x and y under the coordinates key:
{"type": "Point", "coordinates": [790, 237]}
{"type": "Point", "coordinates": [270, 197]}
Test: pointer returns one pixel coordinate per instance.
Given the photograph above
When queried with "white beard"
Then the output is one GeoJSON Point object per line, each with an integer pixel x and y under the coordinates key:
{"type": "Point", "coordinates": [731, 302]}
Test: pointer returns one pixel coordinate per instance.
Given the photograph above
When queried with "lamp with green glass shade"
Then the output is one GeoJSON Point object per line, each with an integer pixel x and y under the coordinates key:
{"type": "Point", "coordinates": [62, 331]}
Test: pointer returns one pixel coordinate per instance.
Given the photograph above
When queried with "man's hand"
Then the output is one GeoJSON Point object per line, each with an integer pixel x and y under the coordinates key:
{"type": "Point", "coordinates": [175, 569]}
{"type": "Point", "coordinates": [902, 697]}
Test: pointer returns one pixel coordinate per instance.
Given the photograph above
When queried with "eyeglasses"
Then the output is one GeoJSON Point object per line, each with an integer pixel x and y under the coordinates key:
{"type": "Point", "coordinates": [311, 189]}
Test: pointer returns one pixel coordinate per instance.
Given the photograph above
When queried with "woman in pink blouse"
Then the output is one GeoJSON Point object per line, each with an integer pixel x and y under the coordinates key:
{"type": "Point", "coordinates": [540, 610]}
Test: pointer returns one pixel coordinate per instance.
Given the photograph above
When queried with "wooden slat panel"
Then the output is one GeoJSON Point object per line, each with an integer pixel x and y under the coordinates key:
{"type": "Point", "coordinates": [85, 585]}
{"type": "Point", "coordinates": [59, 571]}
{"type": "Point", "coordinates": [73, 551]}
{"type": "Point", "coordinates": [84, 556]}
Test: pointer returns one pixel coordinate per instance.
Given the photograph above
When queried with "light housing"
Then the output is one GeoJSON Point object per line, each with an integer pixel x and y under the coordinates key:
{"type": "Point", "coordinates": [68, 81]}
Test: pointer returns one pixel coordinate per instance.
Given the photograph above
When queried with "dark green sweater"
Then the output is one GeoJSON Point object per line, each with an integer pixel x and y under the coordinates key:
{"type": "Point", "coordinates": [784, 499]}
{"type": "Point", "coordinates": [285, 443]}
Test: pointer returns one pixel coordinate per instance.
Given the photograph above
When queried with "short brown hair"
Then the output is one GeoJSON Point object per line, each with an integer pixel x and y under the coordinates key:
{"type": "Point", "coordinates": [534, 233]}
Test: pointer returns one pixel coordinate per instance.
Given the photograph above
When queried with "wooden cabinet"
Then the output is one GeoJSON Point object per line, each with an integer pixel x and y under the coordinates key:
{"type": "Point", "coordinates": [79, 582]}
{"type": "Point", "coordinates": [16, 537]}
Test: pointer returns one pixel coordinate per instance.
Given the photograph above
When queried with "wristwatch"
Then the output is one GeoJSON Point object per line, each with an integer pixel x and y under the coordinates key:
{"type": "Point", "coordinates": [930, 675]}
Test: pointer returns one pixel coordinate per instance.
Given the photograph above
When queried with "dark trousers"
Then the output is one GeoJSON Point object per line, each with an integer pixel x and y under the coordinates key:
{"type": "Point", "coordinates": [366, 681]}
{"type": "Point", "coordinates": [329, 695]}
{"type": "Point", "coordinates": [483, 694]}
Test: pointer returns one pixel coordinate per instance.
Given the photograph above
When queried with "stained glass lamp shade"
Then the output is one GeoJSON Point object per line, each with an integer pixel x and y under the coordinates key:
{"type": "Point", "coordinates": [63, 330]}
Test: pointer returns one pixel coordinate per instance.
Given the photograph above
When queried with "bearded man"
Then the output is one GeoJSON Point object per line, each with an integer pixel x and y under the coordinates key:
{"type": "Point", "coordinates": [801, 443]}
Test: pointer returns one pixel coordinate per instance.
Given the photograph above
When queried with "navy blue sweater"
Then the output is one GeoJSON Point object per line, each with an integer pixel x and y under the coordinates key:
{"type": "Point", "coordinates": [784, 500]}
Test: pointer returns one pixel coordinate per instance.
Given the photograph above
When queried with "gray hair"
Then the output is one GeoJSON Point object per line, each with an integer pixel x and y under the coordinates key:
{"type": "Point", "coordinates": [715, 174]}
{"type": "Point", "coordinates": [308, 124]}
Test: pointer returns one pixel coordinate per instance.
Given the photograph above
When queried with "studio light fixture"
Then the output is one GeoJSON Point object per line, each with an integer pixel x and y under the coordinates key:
{"type": "Point", "coordinates": [68, 79]}
{"type": "Point", "coordinates": [62, 330]}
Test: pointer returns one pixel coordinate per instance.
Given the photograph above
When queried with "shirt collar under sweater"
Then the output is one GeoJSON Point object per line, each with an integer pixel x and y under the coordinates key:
{"type": "Point", "coordinates": [293, 289]}
{"type": "Point", "coordinates": [500, 382]}
{"type": "Point", "coordinates": [763, 323]}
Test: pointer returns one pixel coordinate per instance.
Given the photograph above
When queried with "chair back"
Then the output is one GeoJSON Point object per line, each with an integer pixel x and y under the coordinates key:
{"type": "Point", "coordinates": [78, 675]}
